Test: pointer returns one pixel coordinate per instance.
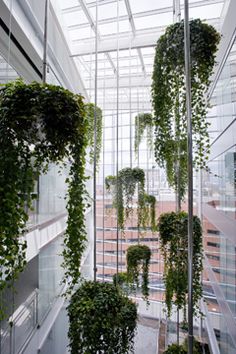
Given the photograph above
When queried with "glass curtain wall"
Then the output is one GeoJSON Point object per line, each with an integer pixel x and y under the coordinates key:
{"type": "Point", "coordinates": [219, 206]}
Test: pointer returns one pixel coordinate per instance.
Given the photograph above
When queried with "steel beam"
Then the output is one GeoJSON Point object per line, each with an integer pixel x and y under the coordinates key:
{"type": "Point", "coordinates": [142, 39]}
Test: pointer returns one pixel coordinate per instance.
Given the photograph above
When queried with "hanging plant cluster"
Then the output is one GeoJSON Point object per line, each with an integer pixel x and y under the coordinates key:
{"type": "Point", "coordinates": [150, 211]}
{"type": "Point", "coordinates": [39, 124]}
{"type": "Point", "coordinates": [169, 97]}
{"type": "Point", "coordinates": [90, 115]}
{"type": "Point", "coordinates": [173, 230]}
{"type": "Point", "coordinates": [138, 261]}
{"type": "Point", "coordinates": [102, 320]}
{"type": "Point", "coordinates": [143, 122]}
{"type": "Point", "coordinates": [198, 348]}
{"type": "Point", "coordinates": [123, 190]}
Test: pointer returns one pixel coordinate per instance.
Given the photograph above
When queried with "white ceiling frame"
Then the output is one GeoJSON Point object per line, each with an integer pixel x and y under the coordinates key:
{"type": "Point", "coordinates": [93, 26]}
{"type": "Point", "coordinates": [109, 45]}
{"type": "Point", "coordinates": [162, 10]}
{"type": "Point", "coordinates": [124, 82]}
{"type": "Point", "coordinates": [132, 25]}
{"type": "Point", "coordinates": [143, 39]}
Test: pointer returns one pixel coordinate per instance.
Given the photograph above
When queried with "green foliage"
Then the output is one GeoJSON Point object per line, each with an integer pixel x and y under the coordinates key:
{"type": "Point", "coordinates": [109, 182]}
{"type": "Point", "coordinates": [175, 349]}
{"type": "Point", "coordinates": [183, 348]}
{"type": "Point", "coordinates": [39, 123]}
{"type": "Point", "coordinates": [150, 211]}
{"type": "Point", "coordinates": [173, 229]}
{"type": "Point", "coordinates": [102, 320]}
{"type": "Point", "coordinates": [122, 279]}
{"type": "Point", "coordinates": [90, 114]}
{"type": "Point", "coordinates": [143, 121]}
{"type": "Point", "coordinates": [123, 190]}
{"type": "Point", "coordinates": [138, 261]}
{"type": "Point", "coordinates": [169, 97]}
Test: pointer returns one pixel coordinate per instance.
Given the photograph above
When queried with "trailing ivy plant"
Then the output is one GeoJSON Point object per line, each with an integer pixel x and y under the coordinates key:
{"type": "Point", "coordinates": [90, 114]}
{"type": "Point", "coordinates": [150, 211]}
{"type": "Point", "coordinates": [122, 280]}
{"type": "Point", "coordinates": [39, 124]}
{"type": "Point", "coordinates": [123, 190]}
{"type": "Point", "coordinates": [198, 348]}
{"type": "Point", "coordinates": [138, 261]}
{"type": "Point", "coordinates": [102, 320]}
{"type": "Point", "coordinates": [173, 229]}
{"type": "Point", "coordinates": [175, 349]}
{"type": "Point", "coordinates": [143, 121]}
{"type": "Point", "coordinates": [169, 98]}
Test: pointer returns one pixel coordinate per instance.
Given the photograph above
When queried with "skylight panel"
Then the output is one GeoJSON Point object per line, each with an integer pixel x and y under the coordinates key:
{"type": "Point", "coordinates": [106, 11]}
{"type": "Point", "coordinates": [125, 54]}
{"type": "Point", "coordinates": [163, 19]}
{"type": "Point", "coordinates": [148, 60]}
{"type": "Point", "coordinates": [149, 5]}
{"type": "Point", "coordinates": [148, 51]}
{"type": "Point", "coordinates": [85, 32]}
{"type": "Point", "coordinates": [68, 3]}
{"type": "Point", "coordinates": [75, 18]}
{"type": "Point", "coordinates": [111, 28]}
{"type": "Point", "coordinates": [205, 12]}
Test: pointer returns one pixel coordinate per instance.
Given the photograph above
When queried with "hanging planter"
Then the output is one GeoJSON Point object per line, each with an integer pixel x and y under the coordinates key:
{"type": "Point", "coordinates": [39, 124]}
{"type": "Point", "coordinates": [138, 261]}
{"type": "Point", "coordinates": [143, 122]}
{"type": "Point", "coordinates": [169, 98]}
{"type": "Point", "coordinates": [102, 320]}
{"type": "Point", "coordinates": [123, 191]}
{"type": "Point", "coordinates": [90, 115]}
{"type": "Point", "coordinates": [173, 231]}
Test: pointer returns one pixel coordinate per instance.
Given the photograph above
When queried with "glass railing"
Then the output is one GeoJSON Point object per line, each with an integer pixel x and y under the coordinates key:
{"type": "Point", "coordinates": [20, 326]}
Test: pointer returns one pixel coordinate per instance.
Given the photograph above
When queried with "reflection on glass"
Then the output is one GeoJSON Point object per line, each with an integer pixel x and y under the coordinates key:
{"type": "Point", "coordinates": [50, 276]}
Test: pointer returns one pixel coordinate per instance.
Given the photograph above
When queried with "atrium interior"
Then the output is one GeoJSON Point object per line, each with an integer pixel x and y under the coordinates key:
{"type": "Point", "coordinates": [150, 145]}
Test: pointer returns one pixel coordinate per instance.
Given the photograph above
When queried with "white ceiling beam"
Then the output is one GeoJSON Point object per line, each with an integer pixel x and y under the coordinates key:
{"type": "Point", "coordinates": [93, 26]}
{"type": "Point", "coordinates": [109, 45]}
{"type": "Point", "coordinates": [132, 25]}
{"type": "Point", "coordinates": [130, 16]}
{"type": "Point", "coordinates": [162, 10]}
{"type": "Point", "coordinates": [125, 82]}
{"type": "Point", "coordinates": [143, 39]}
{"type": "Point", "coordinates": [125, 106]}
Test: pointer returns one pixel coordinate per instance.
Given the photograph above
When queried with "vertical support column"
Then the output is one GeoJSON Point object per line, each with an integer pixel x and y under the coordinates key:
{"type": "Point", "coordinates": [95, 155]}
{"type": "Point", "coordinates": [138, 153]}
{"type": "Point", "coordinates": [190, 174]}
{"type": "Point", "coordinates": [103, 178]}
{"type": "Point", "coordinates": [44, 76]}
{"type": "Point", "coordinates": [176, 11]}
{"type": "Point", "coordinates": [117, 136]}
{"type": "Point", "coordinates": [45, 41]}
{"type": "Point", "coordinates": [130, 106]}
{"type": "Point", "coordinates": [177, 18]}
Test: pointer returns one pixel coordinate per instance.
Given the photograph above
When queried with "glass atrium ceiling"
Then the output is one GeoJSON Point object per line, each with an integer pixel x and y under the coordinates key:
{"type": "Point", "coordinates": [133, 27]}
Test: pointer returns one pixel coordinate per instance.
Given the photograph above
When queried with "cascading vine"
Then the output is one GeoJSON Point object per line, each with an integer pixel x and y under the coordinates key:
{"type": "Point", "coordinates": [169, 98]}
{"type": "Point", "coordinates": [173, 231]}
{"type": "Point", "coordinates": [150, 211]}
{"type": "Point", "coordinates": [143, 122]}
{"type": "Point", "coordinates": [123, 190]}
{"type": "Point", "coordinates": [138, 261]}
{"type": "Point", "coordinates": [90, 114]}
{"type": "Point", "coordinates": [39, 124]}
